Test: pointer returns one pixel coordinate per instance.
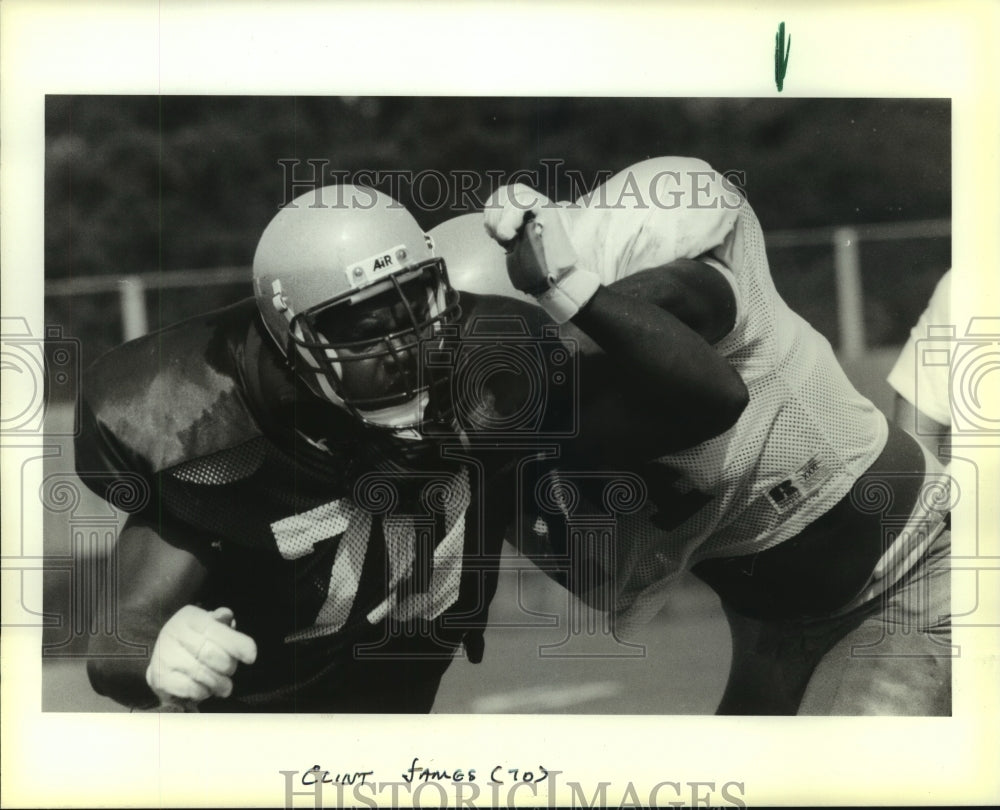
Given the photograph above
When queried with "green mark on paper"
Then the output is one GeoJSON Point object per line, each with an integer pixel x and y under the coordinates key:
{"type": "Point", "coordinates": [781, 56]}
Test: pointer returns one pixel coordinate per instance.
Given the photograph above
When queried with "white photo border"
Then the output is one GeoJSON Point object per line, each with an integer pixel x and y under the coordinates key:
{"type": "Point", "coordinates": [542, 48]}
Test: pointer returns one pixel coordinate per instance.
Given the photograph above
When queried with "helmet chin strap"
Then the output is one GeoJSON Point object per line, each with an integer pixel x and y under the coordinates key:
{"type": "Point", "coordinates": [401, 418]}
{"type": "Point", "coordinates": [328, 393]}
{"type": "Point", "coordinates": [400, 422]}
{"type": "Point", "coordinates": [325, 389]}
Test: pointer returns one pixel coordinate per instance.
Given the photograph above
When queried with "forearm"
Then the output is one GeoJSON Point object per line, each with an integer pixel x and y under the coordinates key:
{"type": "Point", "coordinates": [684, 388]}
{"type": "Point", "coordinates": [124, 679]}
{"type": "Point", "coordinates": [693, 292]}
{"type": "Point", "coordinates": [653, 365]}
{"type": "Point", "coordinates": [155, 578]}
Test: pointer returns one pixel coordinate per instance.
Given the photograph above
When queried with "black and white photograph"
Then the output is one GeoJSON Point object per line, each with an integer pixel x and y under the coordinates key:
{"type": "Point", "coordinates": [436, 444]}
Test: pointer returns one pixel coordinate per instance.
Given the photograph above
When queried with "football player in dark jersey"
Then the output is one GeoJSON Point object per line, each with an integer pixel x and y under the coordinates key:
{"type": "Point", "coordinates": [317, 507]}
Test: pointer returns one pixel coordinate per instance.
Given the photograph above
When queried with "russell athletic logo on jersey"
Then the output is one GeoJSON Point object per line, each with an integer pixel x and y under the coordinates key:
{"type": "Point", "coordinates": [803, 483]}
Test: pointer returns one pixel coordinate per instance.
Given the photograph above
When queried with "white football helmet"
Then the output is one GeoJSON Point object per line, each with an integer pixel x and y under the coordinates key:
{"type": "Point", "coordinates": [323, 256]}
{"type": "Point", "coordinates": [476, 263]}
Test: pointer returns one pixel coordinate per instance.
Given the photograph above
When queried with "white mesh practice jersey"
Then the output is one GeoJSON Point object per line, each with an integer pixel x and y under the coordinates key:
{"type": "Point", "coordinates": [806, 434]}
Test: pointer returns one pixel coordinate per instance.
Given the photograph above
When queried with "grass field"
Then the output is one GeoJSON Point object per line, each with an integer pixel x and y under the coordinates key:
{"type": "Point", "coordinates": [682, 669]}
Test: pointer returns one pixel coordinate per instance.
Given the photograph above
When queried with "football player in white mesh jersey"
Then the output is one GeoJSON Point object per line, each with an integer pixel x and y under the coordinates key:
{"type": "Point", "coordinates": [823, 529]}
{"type": "Point", "coordinates": [312, 528]}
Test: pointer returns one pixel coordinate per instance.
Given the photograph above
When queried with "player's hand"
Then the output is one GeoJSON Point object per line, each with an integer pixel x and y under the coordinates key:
{"type": "Point", "coordinates": [541, 259]}
{"type": "Point", "coordinates": [507, 208]}
{"type": "Point", "coordinates": [195, 656]}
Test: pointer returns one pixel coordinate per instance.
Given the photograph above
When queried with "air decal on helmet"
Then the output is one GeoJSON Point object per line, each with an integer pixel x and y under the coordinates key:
{"type": "Point", "coordinates": [374, 268]}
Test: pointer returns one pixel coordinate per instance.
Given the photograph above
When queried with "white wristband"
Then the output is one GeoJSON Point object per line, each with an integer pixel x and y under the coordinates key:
{"type": "Point", "coordinates": [569, 293]}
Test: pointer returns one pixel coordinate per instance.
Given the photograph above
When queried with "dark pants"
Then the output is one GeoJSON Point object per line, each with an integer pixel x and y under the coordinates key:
{"type": "Point", "coordinates": [888, 656]}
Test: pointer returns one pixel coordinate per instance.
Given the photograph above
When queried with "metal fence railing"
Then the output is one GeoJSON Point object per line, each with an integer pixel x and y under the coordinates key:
{"type": "Point", "coordinates": [844, 244]}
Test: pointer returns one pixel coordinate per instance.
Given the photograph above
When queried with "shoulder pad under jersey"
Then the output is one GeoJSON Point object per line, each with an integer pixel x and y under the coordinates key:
{"type": "Point", "coordinates": [170, 396]}
{"type": "Point", "coordinates": [652, 213]}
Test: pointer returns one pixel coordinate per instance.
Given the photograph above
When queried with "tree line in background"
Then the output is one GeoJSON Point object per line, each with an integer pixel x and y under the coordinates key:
{"type": "Point", "coordinates": [139, 184]}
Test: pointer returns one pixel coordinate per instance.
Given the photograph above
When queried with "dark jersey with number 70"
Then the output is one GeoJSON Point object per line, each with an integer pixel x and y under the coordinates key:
{"type": "Point", "coordinates": [327, 551]}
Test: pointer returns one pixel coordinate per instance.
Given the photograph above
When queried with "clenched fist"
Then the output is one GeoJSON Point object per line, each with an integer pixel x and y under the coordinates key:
{"type": "Point", "coordinates": [195, 656]}
{"type": "Point", "coordinates": [541, 260]}
{"type": "Point", "coordinates": [508, 207]}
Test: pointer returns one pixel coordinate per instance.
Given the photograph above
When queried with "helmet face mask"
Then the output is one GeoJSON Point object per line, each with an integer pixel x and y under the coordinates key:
{"type": "Point", "coordinates": [349, 291]}
{"type": "Point", "coordinates": [368, 351]}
